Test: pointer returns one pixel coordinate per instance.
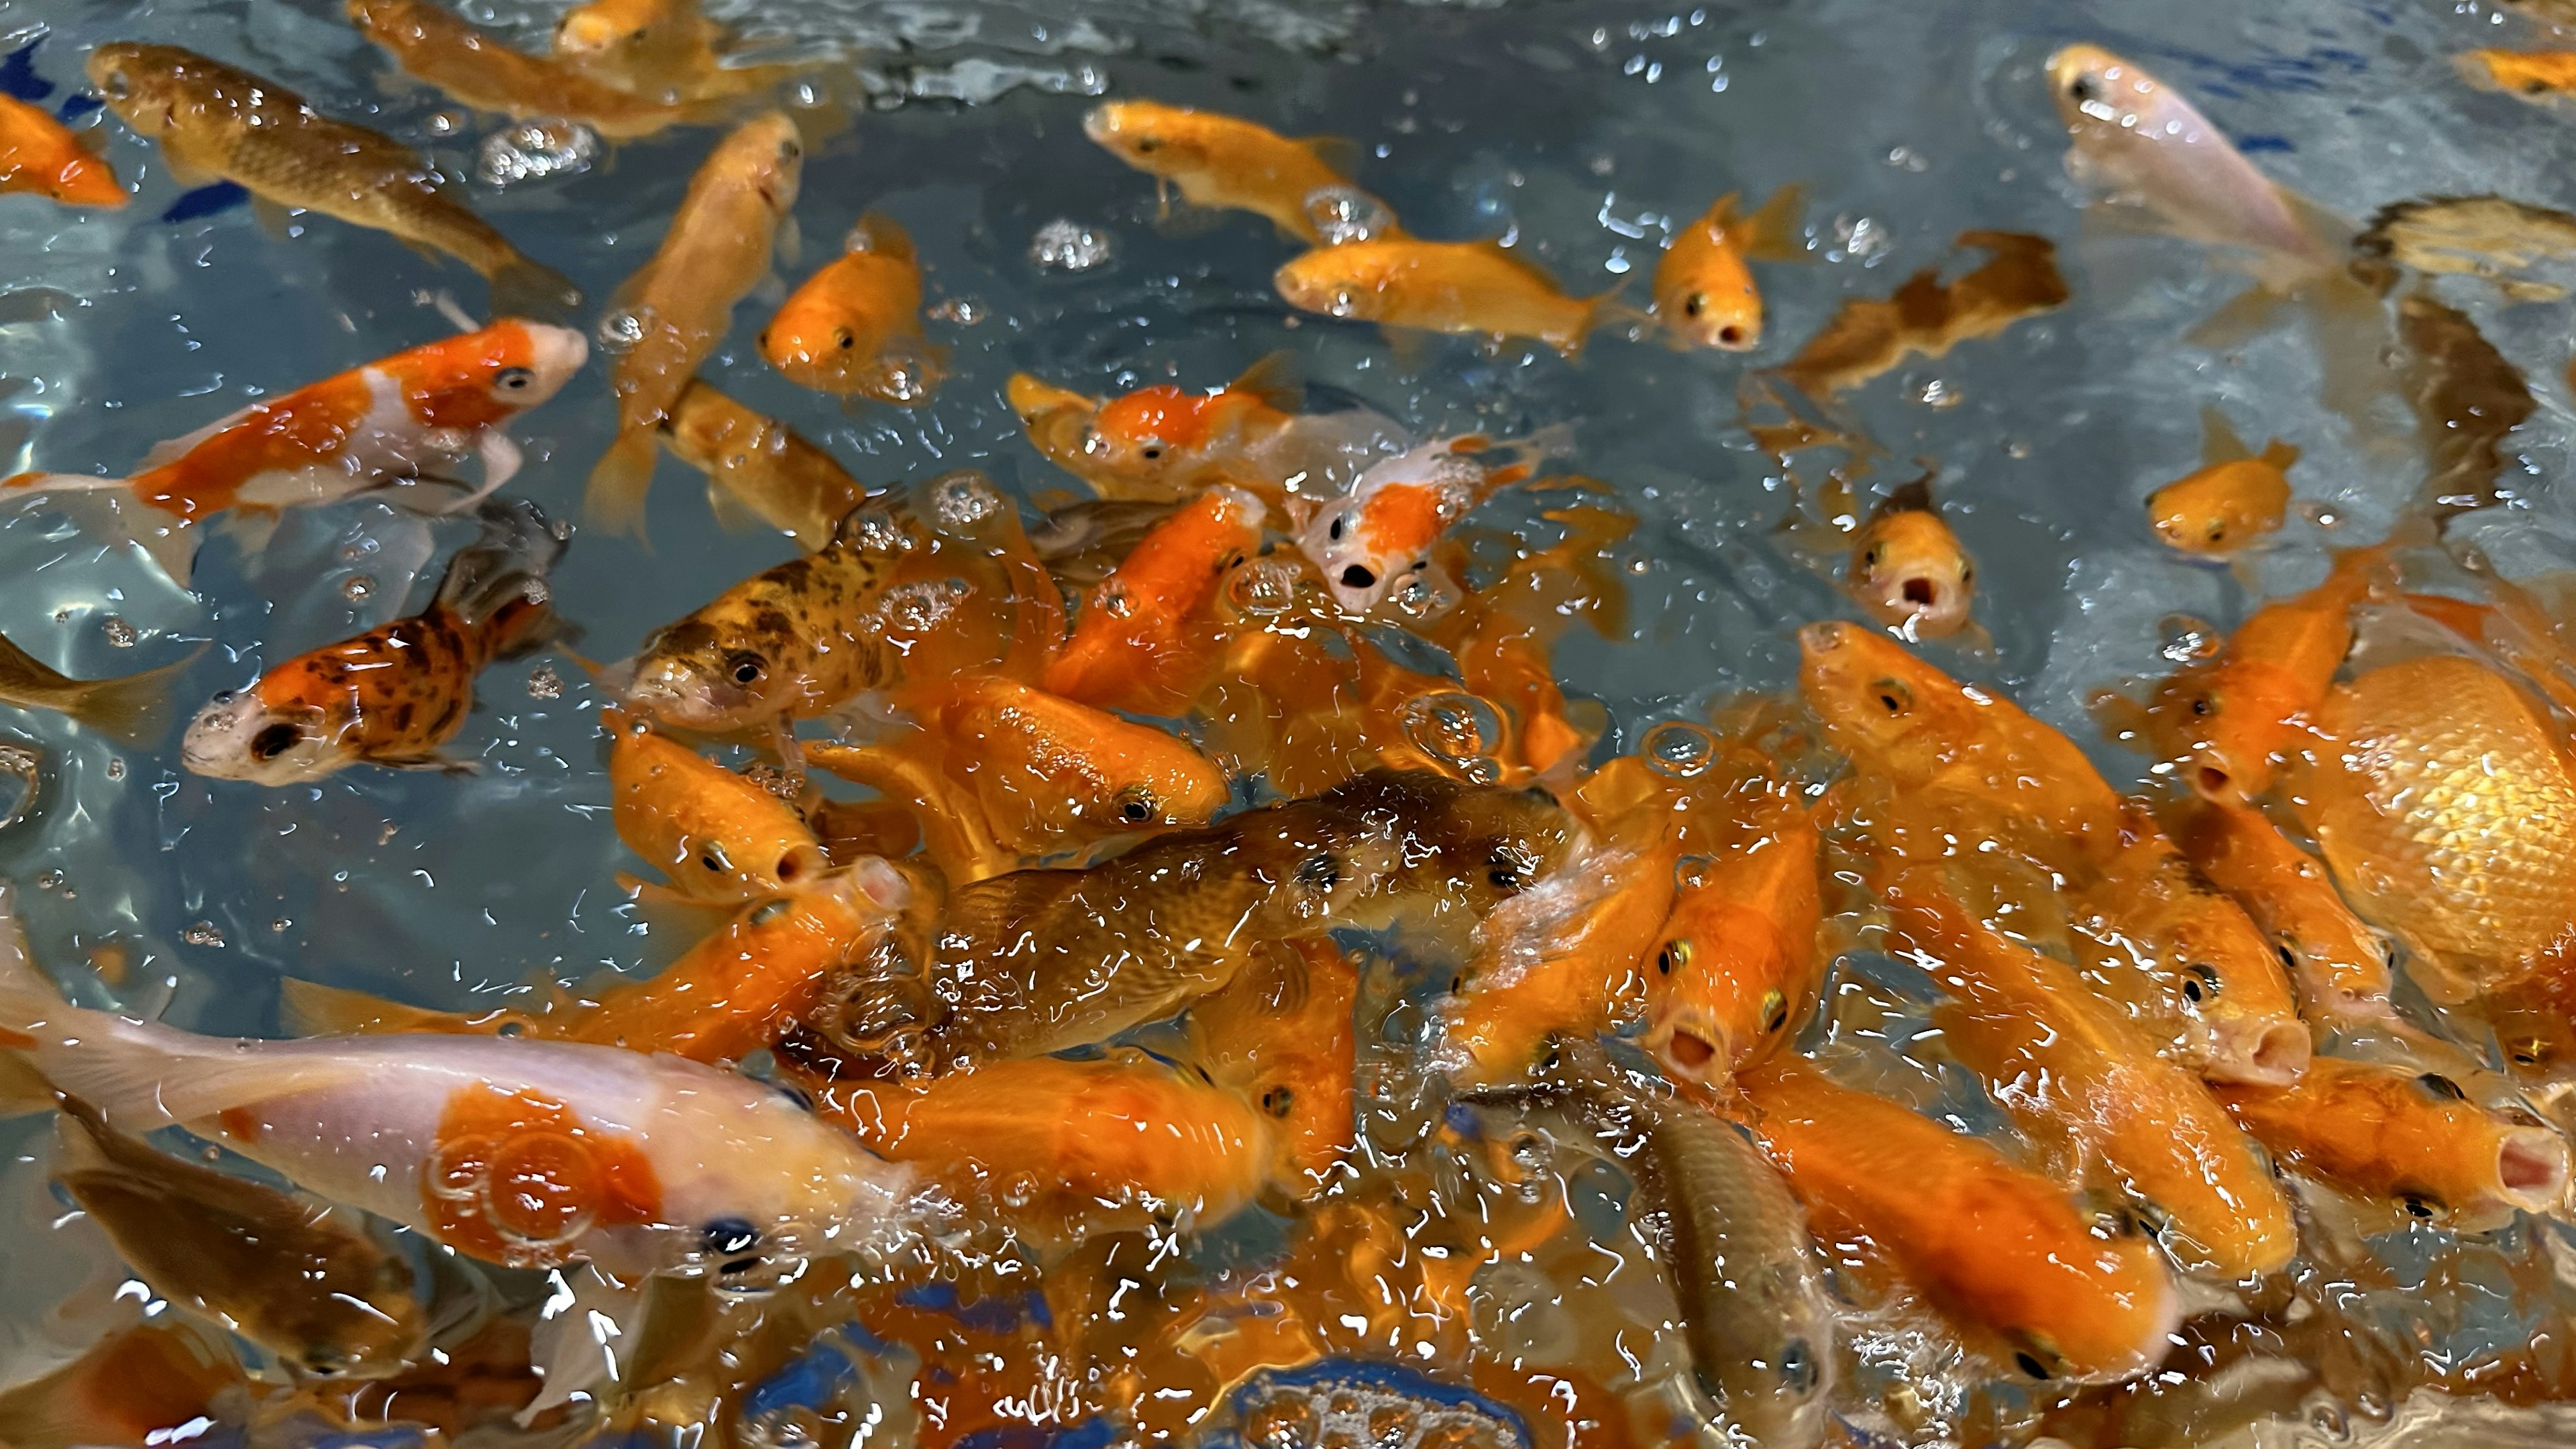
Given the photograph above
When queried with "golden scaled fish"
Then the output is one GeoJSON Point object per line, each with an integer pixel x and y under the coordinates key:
{"type": "Point", "coordinates": [472, 65]}
{"type": "Point", "coordinates": [127, 707]}
{"type": "Point", "coordinates": [300, 1278]}
{"type": "Point", "coordinates": [1476, 289]}
{"type": "Point", "coordinates": [1221, 161]}
{"type": "Point", "coordinates": [1705, 295]}
{"type": "Point", "coordinates": [719, 837]}
{"type": "Point", "coordinates": [716, 250]}
{"type": "Point", "coordinates": [2237, 498]}
{"type": "Point", "coordinates": [2341, 965]}
{"type": "Point", "coordinates": [2411, 1138]}
{"type": "Point", "coordinates": [2444, 800]}
{"type": "Point", "coordinates": [1909, 570]}
{"type": "Point", "coordinates": [756, 463]}
{"type": "Point", "coordinates": [1736, 963]}
{"type": "Point", "coordinates": [38, 154]}
{"type": "Point", "coordinates": [854, 327]}
{"type": "Point", "coordinates": [1145, 639]}
{"type": "Point", "coordinates": [216, 122]}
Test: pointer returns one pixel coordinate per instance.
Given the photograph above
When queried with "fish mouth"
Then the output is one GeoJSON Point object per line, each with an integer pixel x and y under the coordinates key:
{"type": "Point", "coordinates": [1689, 1045]}
{"type": "Point", "coordinates": [1100, 124]}
{"type": "Point", "coordinates": [2531, 1169]}
{"type": "Point", "coordinates": [2258, 1051]}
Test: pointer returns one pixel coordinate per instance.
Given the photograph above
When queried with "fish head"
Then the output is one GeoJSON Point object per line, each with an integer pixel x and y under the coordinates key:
{"type": "Point", "coordinates": [244, 735]}
{"type": "Point", "coordinates": [2220, 509]}
{"type": "Point", "coordinates": [543, 359]}
{"type": "Point", "coordinates": [1367, 542]}
{"type": "Point", "coordinates": [709, 676]}
{"type": "Point", "coordinates": [1140, 435]}
{"type": "Point", "coordinates": [377, 1327]}
{"type": "Point", "coordinates": [1872, 695]}
{"type": "Point", "coordinates": [2216, 724]}
{"type": "Point", "coordinates": [1165, 140]}
{"type": "Point", "coordinates": [1727, 318]}
{"type": "Point", "coordinates": [764, 155]}
{"type": "Point", "coordinates": [2095, 90]}
{"type": "Point", "coordinates": [1345, 281]}
{"type": "Point", "coordinates": [144, 84]}
{"type": "Point", "coordinates": [1911, 574]}
{"type": "Point", "coordinates": [1716, 990]}
{"type": "Point", "coordinates": [1475, 846]}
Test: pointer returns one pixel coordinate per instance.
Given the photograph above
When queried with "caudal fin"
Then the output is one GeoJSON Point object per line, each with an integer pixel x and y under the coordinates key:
{"type": "Point", "coordinates": [110, 506]}
{"type": "Point", "coordinates": [131, 709]}
{"type": "Point", "coordinates": [522, 288]}
{"type": "Point", "coordinates": [615, 498]}
{"type": "Point", "coordinates": [498, 582]}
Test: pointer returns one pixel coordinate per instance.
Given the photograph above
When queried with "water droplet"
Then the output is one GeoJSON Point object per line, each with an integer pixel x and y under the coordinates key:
{"type": "Point", "coordinates": [1678, 748]}
{"type": "Point", "coordinates": [115, 767]}
{"type": "Point", "coordinates": [119, 633]}
{"type": "Point", "coordinates": [1452, 726]}
{"type": "Point", "coordinates": [877, 532]}
{"type": "Point", "coordinates": [962, 500]}
{"type": "Point", "coordinates": [202, 933]}
{"type": "Point", "coordinates": [1065, 245]}
{"type": "Point", "coordinates": [1263, 588]}
{"type": "Point", "coordinates": [964, 311]}
{"type": "Point", "coordinates": [446, 123]}
{"type": "Point", "coordinates": [19, 764]}
{"type": "Point", "coordinates": [535, 151]}
{"type": "Point", "coordinates": [619, 330]}
{"type": "Point", "coordinates": [1906, 158]}
{"type": "Point", "coordinates": [1346, 214]}
{"type": "Point", "coordinates": [1938, 393]}
{"type": "Point", "coordinates": [51, 880]}
{"type": "Point", "coordinates": [357, 588]}
{"type": "Point", "coordinates": [544, 682]}
{"type": "Point", "coordinates": [2182, 638]}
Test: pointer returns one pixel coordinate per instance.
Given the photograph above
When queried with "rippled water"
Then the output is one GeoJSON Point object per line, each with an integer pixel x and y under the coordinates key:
{"type": "Point", "coordinates": [1580, 129]}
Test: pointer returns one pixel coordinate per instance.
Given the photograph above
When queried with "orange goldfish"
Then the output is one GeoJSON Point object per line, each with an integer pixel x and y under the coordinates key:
{"type": "Point", "coordinates": [392, 695]}
{"type": "Point", "coordinates": [761, 464]}
{"type": "Point", "coordinates": [1999, 1249]}
{"type": "Point", "coordinates": [2446, 804]}
{"type": "Point", "coordinates": [471, 64]}
{"type": "Point", "coordinates": [1164, 442]}
{"type": "Point", "coordinates": [720, 837]}
{"type": "Point", "coordinates": [1704, 290]}
{"type": "Point", "coordinates": [391, 421]}
{"type": "Point", "coordinates": [1282, 1039]}
{"type": "Point", "coordinates": [525, 1153]}
{"type": "Point", "coordinates": [1221, 161]}
{"type": "Point", "coordinates": [214, 121]}
{"type": "Point", "coordinates": [142, 1385]}
{"type": "Point", "coordinates": [1909, 570]}
{"type": "Point", "coordinates": [2237, 499]}
{"type": "Point", "coordinates": [716, 250]}
{"type": "Point", "coordinates": [2539, 75]}
{"type": "Point", "coordinates": [855, 326]}
{"type": "Point", "coordinates": [1477, 289]}
{"type": "Point", "coordinates": [662, 49]}
{"type": "Point", "coordinates": [2063, 1060]}
{"type": "Point", "coordinates": [1923, 732]}
{"type": "Point", "coordinates": [2227, 721]}
{"type": "Point", "coordinates": [1143, 641]}
{"type": "Point", "coordinates": [38, 154]}
{"type": "Point", "coordinates": [1378, 536]}
{"type": "Point", "coordinates": [1738, 962]}
{"type": "Point", "coordinates": [2341, 966]}
{"type": "Point", "coordinates": [2393, 1134]}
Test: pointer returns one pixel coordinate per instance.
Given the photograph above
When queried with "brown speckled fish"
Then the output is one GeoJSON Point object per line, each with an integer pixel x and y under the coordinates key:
{"type": "Point", "coordinates": [392, 695]}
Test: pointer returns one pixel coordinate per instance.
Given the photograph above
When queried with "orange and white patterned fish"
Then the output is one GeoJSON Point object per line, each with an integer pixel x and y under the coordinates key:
{"type": "Point", "coordinates": [392, 695]}
{"type": "Point", "coordinates": [391, 421]}
{"type": "Point", "coordinates": [1370, 539]}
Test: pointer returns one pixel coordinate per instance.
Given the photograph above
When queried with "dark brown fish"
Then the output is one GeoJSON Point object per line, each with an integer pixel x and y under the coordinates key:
{"type": "Point", "coordinates": [2494, 237]}
{"type": "Point", "coordinates": [1928, 316]}
{"type": "Point", "coordinates": [2467, 398]}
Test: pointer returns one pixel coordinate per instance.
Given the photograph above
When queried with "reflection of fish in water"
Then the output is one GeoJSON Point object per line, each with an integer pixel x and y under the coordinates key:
{"type": "Point", "coordinates": [1926, 315]}
{"type": "Point", "coordinates": [127, 707]}
{"type": "Point", "coordinates": [2467, 400]}
{"type": "Point", "coordinates": [2494, 237]}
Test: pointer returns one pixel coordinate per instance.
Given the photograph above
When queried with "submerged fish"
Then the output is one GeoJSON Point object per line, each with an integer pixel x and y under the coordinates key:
{"type": "Point", "coordinates": [1144, 640]}
{"type": "Point", "coordinates": [716, 250]}
{"type": "Point", "coordinates": [1477, 289]}
{"type": "Point", "coordinates": [1222, 161]}
{"type": "Point", "coordinates": [2341, 966]}
{"type": "Point", "coordinates": [760, 464]}
{"type": "Point", "coordinates": [719, 837]}
{"type": "Point", "coordinates": [1370, 541]}
{"type": "Point", "coordinates": [1166, 443]}
{"type": "Point", "coordinates": [1705, 295]}
{"type": "Point", "coordinates": [2415, 1139]}
{"type": "Point", "coordinates": [393, 695]}
{"type": "Point", "coordinates": [2543, 76]}
{"type": "Point", "coordinates": [302, 1279]}
{"type": "Point", "coordinates": [392, 421]}
{"type": "Point", "coordinates": [1998, 1249]}
{"type": "Point", "coordinates": [38, 154]}
{"type": "Point", "coordinates": [2495, 237]}
{"type": "Point", "coordinates": [2468, 399]}
{"type": "Point", "coordinates": [472, 65]}
{"type": "Point", "coordinates": [855, 325]}
{"type": "Point", "coordinates": [525, 1153]}
{"type": "Point", "coordinates": [2237, 499]}
{"type": "Point", "coordinates": [215, 122]}
{"type": "Point", "coordinates": [1867, 336]}
{"type": "Point", "coordinates": [126, 707]}
{"type": "Point", "coordinates": [1909, 570]}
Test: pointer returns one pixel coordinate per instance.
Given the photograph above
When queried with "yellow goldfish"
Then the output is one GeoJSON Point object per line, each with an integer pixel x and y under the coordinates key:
{"type": "Point", "coordinates": [2237, 498]}
{"type": "Point", "coordinates": [1704, 290]}
{"type": "Point", "coordinates": [1224, 161]}
{"type": "Point", "coordinates": [855, 326]}
{"type": "Point", "coordinates": [1477, 289]}
{"type": "Point", "coordinates": [761, 464]}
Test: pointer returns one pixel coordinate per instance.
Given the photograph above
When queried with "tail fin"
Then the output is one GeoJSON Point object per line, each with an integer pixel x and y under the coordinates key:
{"type": "Point", "coordinates": [130, 708]}
{"type": "Point", "coordinates": [110, 506]}
{"type": "Point", "coordinates": [522, 288]}
{"type": "Point", "coordinates": [615, 498]}
{"type": "Point", "coordinates": [498, 582]}
{"type": "Point", "coordinates": [308, 1008]}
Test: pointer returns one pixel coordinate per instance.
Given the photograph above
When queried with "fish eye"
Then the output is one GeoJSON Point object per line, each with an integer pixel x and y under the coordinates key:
{"type": "Point", "coordinates": [733, 1240]}
{"type": "Point", "coordinates": [842, 339]}
{"type": "Point", "coordinates": [2442, 1087]}
{"type": "Point", "coordinates": [1151, 450]}
{"type": "Point", "coordinates": [2199, 982]}
{"type": "Point", "coordinates": [1507, 870]}
{"type": "Point", "coordinates": [1278, 1101]}
{"type": "Point", "coordinates": [1319, 872]}
{"type": "Point", "coordinates": [1149, 143]}
{"type": "Point", "coordinates": [323, 1363]}
{"type": "Point", "coordinates": [1798, 1367]}
{"type": "Point", "coordinates": [1674, 956]}
{"type": "Point", "coordinates": [2217, 530]}
{"type": "Point", "coordinates": [1893, 697]}
{"type": "Point", "coordinates": [117, 85]}
{"type": "Point", "coordinates": [2202, 706]}
{"type": "Point", "coordinates": [745, 667]}
{"type": "Point", "coordinates": [274, 741]}
{"type": "Point", "coordinates": [2289, 955]}
{"type": "Point", "coordinates": [2029, 1363]}
{"type": "Point", "coordinates": [1136, 805]}
{"type": "Point", "coordinates": [2085, 89]}
{"type": "Point", "coordinates": [1694, 304]}
{"type": "Point", "coordinates": [515, 379]}
{"type": "Point", "coordinates": [1341, 524]}
{"type": "Point", "coordinates": [2529, 1052]}
{"type": "Point", "coordinates": [1775, 1010]}
{"type": "Point", "coordinates": [2421, 1208]}
{"type": "Point", "coordinates": [790, 149]}
{"type": "Point", "coordinates": [1874, 555]}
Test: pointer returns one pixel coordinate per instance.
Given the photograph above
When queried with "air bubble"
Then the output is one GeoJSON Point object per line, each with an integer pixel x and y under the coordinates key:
{"type": "Point", "coordinates": [2183, 638]}
{"type": "Point", "coordinates": [357, 588]}
{"type": "Point", "coordinates": [119, 633]}
{"type": "Point", "coordinates": [1064, 245]}
{"type": "Point", "coordinates": [962, 500]}
{"type": "Point", "coordinates": [619, 330]}
{"type": "Point", "coordinates": [545, 682]}
{"type": "Point", "coordinates": [964, 311]}
{"type": "Point", "coordinates": [1453, 727]}
{"type": "Point", "coordinates": [1346, 214]}
{"type": "Point", "coordinates": [1679, 749]}
{"type": "Point", "coordinates": [1263, 588]}
{"type": "Point", "coordinates": [535, 151]}
{"type": "Point", "coordinates": [202, 933]}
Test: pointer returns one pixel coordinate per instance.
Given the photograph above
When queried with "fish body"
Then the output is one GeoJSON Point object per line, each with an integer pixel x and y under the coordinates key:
{"type": "Point", "coordinates": [719, 837]}
{"type": "Point", "coordinates": [214, 121]}
{"type": "Point", "coordinates": [470, 64]}
{"type": "Point", "coordinates": [300, 1278]}
{"type": "Point", "coordinates": [1754, 1308]}
{"type": "Point", "coordinates": [38, 154]}
{"type": "Point", "coordinates": [1221, 161]}
{"type": "Point", "coordinates": [2536, 75]}
{"type": "Point", "coordinates": [1468, 288]}
{"type": "Point", "coordinates": [716, 250]}
{"type": "Point", "coordinates": [1910, 571]}
{"type": "Point", "coordinates": [2061, 1059]}
{"type": "Point", "coordinates": [2227, 505]}
{"type": "Point", "coordinates": [2227, 722]}
{"type": "Point", "coordinates": [1167, 443]}
{"type": "Point", "coordinates": [1143, 641]}
{"type": "Point", "coordinates": [1997, 1248]}
{"type": "Point", "coordinates": [1736, 962]}
{"type": "Point", "coordinates": [130, 1386]}
{"type": "Point", "coordinates": [854, 327]}
{"type": "Point", "coordinates": [387, 422]}
{"type": "Point", "coordinates": [1372, 539]}
{"type": "Point", "coordinates": [2340, 965]}
{"type": "Point", "coordinates": [1869, 335]}
{"type": "Point", "coordinates": [124, 707]}
{"type": "Point", "coordinates": [2136, 138]}
{"type": "Point", "coordinates": [1050, 772]}
{"type": "Point", "coordinates": [762, 464]}
{"type": "Point", "coordinates": [1705, 294]}
{"type": "Point", "coordinates": [2445, 802]}
{"type": "Point", "coordinates": [2415, 1139]}
{"type": "Point", "coordinates": [395, 694]}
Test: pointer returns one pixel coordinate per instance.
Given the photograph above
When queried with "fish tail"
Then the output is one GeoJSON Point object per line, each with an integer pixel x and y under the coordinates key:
{"type": "Point", "coordinates": [309, 1008]}
{"type": "Point", "coordinates": [1772, 232]}
{"type": "Point", "coordinates": [1605, 310]}
{"type": "Point", "coordinates": [615, 498]}
{"type": "Point", "coordinates": [113, 507]}
{"type": "Point", "coordinates": [497, 584]}
{"type": "Point", "coordinates": [522, 288]}
{"type": "Point", "coordinates": [132, 708]}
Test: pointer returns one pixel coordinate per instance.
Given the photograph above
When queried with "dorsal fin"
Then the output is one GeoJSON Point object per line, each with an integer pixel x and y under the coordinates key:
{"type": "Point", "coordinates": [2280, 454]}
{"type": "Point", "coordinates": [1274, 381]}
{"type": "Point", "coordinates": [1914, 497]}
{"type": "Point", "coordinates": [2219, 443]}
{"type": "Point", "coordinates": [1339, 154]}
{"type": "Point", "coordinates": [880, 235]}
{"type": "Point", "coordinates": [1772, 233]}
